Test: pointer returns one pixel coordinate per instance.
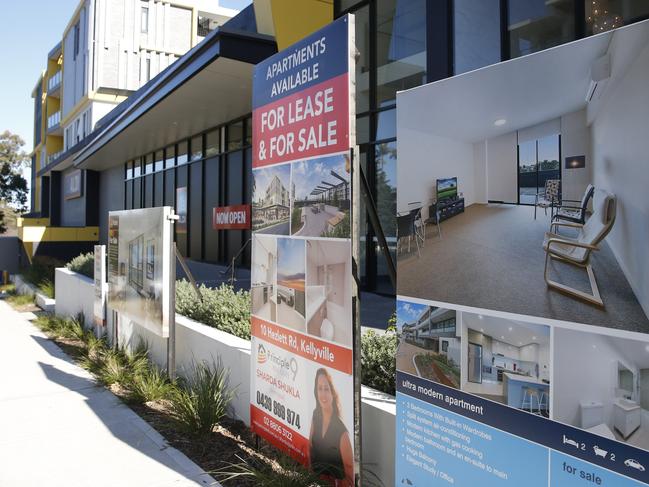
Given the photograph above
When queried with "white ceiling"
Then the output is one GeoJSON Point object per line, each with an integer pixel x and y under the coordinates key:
{"type": "Point", "coordinates": [513, 332]}
{"type": "Point", "coordinates": [634, 351]}
{"type": "Point", "coordinates": [220, 92]}
{"type": "Point", "coordinates": [524, 91]}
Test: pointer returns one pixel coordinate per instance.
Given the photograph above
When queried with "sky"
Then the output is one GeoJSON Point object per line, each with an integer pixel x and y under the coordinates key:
{"type": "Point", "coordinates": [29, 31]}
{"type": "Point", "coordinates": [309, 174]}
{"type": "Point", "coordinates": [408, 312]}
{"type": "Point", "coordinates": [290, 258]}
{"type": "Point", "coordinates": [263, 177]}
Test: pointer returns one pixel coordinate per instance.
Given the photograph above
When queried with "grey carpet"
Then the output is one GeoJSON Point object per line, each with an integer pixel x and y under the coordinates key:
{"type": "Point", "coordinates": [492, 257]}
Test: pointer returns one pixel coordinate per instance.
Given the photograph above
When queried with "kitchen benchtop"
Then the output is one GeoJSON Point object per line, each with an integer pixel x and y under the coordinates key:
{"type": "Point", "coordinates": [525, 378]}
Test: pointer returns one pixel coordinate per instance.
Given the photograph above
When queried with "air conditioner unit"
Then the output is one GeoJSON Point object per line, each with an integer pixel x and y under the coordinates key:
{"type": "Point", "coordinates": [600, 72]}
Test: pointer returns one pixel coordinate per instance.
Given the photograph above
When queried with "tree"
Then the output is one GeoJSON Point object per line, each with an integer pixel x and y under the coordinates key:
{"type": "Point", "coordinates": [13, 186]}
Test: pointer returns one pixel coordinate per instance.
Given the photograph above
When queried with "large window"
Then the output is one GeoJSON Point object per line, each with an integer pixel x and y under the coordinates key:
{"type": "Point", "coordinates": [603, 15]}
{"type": "Point", "coordinates": [144, 20]}
{"type": "Point", "coordinates": [400, 47]}
{"type": "Point", "coordinates": [476, 28]}
{"type": "Point", "coordinates": [535, 25]}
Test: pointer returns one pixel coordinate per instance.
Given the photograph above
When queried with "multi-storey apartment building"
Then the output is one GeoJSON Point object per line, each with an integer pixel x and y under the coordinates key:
{"type": "Point", "coordinates": [109, 50]}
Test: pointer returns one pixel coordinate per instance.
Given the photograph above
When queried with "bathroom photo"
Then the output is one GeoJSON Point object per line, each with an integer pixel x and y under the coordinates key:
{"type": "Point", "coordinates": [506, 361]}
{"type": "Point", "coordinates": [603, 386]}
{"type": "Point", "coordinates": [263, 279]}
{"type": "Point", "coordinates": [328, 290]}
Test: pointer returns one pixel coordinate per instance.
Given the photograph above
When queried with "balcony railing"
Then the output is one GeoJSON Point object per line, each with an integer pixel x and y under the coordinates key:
{"type": "Point", "coordinates": [54, 81]}
{"type": "Point", "coordinates": [54, 119]}
{"type": "Point", "coordinates": [52, 157]}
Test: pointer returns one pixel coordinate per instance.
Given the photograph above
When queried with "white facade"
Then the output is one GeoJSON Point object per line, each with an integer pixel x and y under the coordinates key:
{"type": "Point", "coordinates": [113, 47]}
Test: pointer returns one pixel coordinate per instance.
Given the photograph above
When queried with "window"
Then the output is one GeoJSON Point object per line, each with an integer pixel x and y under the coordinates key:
{"type": "Point", "coordinates": [212, 143]}
{"type": "Point", "coordinates": [129, 170]}
{"type": "Point", "coordinates": [148, 168]}
{"type": "Point", "coordinates": [77, 32]}
{"type": "Point", "coordinates": [77, 130]}
{"type": "Point", "coordinates": [159, 161]}
{"type": "Point", "coordinates": [535, 25]}
{"type": "Point", "coordinates": [235, 136]}
{"type": "Point", "coordinates": [137, 168]}
{"type": "Point", "coordinates": [144, 20]}
{"type": "Point", "coordinates": [147, 70]}
{"type": "Point", "coordinates": [476, 27]}
{"type": "Point", "coordinates": [182, 153]}
{"type": "Point", "coordinates": [400, 48]}
{"type": "Point", "coordinates": [603, 15]}
{"type": "Point", "coordinates": [197, 148]}
{"type": "Point", "coordinates": [84, 124]}
{"type": "Point", "coordinates": [248, 140]}
{"type": "Point", "coordinates": [170, 156]}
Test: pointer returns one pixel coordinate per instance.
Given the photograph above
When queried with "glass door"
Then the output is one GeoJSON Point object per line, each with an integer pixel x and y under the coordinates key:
{"type": "Point", "coordinates": [538, 161]}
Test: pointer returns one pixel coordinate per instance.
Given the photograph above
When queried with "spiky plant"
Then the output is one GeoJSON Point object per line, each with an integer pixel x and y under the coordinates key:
{"type": "Point", "coordinates": [203, 399]}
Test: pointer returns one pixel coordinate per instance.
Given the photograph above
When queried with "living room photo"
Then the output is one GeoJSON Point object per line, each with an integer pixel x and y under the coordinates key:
{"type": "Point", "coordinates": [522, 186]}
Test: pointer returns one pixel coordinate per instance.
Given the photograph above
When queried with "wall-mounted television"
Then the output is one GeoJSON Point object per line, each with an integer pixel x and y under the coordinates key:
{"type": "Point", "coordinates": [446, 188]}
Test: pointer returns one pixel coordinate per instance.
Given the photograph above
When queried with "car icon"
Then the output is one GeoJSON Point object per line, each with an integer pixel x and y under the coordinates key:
{"type": "Point", "coordinates": [599, 452]}
{"type": "Point", "coordinates": [568, 441]}
{"type": "Point", "coordinates": [630, 462]}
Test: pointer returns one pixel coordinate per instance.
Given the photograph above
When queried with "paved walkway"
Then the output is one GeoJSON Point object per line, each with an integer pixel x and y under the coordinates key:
{"type": "Point", "coordinates": [57, 428]}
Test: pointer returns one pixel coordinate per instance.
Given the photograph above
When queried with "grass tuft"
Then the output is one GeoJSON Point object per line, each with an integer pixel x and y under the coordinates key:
{"type": "Point", "coordinates": [203, 399]}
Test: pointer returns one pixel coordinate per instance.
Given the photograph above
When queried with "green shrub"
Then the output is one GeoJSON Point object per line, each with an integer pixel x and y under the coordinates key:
{"type": "Point", "coordinates": [47, 288]}
{"type": "Point", "coordinates": [222, 308]}
{"type": "Point", "coordinates": [203, 399]}
{"type": "Point", "coordinates": [378, 360]}
{"type": "Point", "coordinates": [150, 385]}
{"type": "Point", "coordinates": [83, 264]}
{"type": "Point", "coordinates": [287, 474]}
{"type": "Point", "coordinates": [41, 270]}
{"type": "Point", "coordinates": [114, 368]}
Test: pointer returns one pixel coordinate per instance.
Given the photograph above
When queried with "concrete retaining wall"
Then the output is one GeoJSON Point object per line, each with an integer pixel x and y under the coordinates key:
{"type": "Point", "coordinates": [42, 301]}
{"type": "Point", "coordinates": [75, 293]}
{"type": "Point", "coordinates": [196, 342]}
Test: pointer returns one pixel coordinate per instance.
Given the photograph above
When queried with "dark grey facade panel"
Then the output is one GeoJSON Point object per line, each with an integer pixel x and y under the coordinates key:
{"type": "Point", "coordinates": [111, 197]}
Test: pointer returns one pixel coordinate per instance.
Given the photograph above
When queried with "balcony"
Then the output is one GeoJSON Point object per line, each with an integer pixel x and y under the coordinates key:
{"type": "Point", "coordinates": [54, 124]}
{"type": "Point", "coordinates": [52, 157]}
{"type": "Point", "coordinates": [54, 84]}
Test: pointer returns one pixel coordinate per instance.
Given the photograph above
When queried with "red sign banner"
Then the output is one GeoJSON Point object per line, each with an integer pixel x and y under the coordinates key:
{"type": "Point", "coordinates": [236, 217]}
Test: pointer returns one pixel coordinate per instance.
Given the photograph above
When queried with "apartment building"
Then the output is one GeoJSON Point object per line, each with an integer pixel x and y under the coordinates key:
{"type": "Point", "coordinates": [109, 50]}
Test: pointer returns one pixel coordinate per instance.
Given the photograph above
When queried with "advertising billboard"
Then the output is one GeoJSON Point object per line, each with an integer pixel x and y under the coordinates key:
{"type": "Point", "coordinates": [99, 306]}
{"type": "Point", "coordinates": [302, 388]}
{"type": "Point", "coordinates": [523, 303]}
{"type": "Point", "coordinates": [139, 246]}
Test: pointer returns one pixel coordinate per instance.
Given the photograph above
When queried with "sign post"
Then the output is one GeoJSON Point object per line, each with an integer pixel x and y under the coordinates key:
{"type": "Point", "coordinates": [304, 296]}
{"type": "Point", "coordinates": [99, 307]}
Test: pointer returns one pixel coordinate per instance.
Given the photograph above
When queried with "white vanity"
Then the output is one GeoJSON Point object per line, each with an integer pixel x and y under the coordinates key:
{"type": "Point", "coordinates": [626, 416]}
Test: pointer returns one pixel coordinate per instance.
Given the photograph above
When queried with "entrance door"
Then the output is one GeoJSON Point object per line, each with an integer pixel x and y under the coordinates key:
{"type": "Point", "coordinates": [538, 161]}
{"type": "Point", "coordinates": [475, 363]}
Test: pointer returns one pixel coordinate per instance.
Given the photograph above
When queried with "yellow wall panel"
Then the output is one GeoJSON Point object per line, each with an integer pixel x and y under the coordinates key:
{"type": "Point", "coordinates": [294, 21]}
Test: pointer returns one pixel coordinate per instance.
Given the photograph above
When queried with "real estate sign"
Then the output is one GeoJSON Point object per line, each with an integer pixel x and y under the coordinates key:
{"type": "Point", "coordinates": [522, 308]}
{"type": "Point", "coordinates": [139, 252]}
{"type": "Point", "coordinates": [302, 396]}
{"type": "Point", "coordinates": [100, 286]}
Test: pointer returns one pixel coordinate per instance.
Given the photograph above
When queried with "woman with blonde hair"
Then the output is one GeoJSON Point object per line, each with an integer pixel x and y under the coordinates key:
{"type": "Point", "coordinates": [330, 452]}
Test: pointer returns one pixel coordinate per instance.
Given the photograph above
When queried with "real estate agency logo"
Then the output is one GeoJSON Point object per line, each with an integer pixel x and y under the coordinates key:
{"type": "Point", "coordinates": [262, 356]}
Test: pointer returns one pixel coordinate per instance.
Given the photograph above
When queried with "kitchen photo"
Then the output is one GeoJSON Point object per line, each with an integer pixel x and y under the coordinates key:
{"type": "Point", "coordinates": [603, 386]}
{"type": "Point", "coordinates": [290, 291]}
{"type": "Point", "coordinates": [429, 342]}
{"type": "Point", "coordinates": [264, 270]}
{"type": "Point", "coordinates": [328, 290]}
{"type": "Point", "coordinates": [506, 361]}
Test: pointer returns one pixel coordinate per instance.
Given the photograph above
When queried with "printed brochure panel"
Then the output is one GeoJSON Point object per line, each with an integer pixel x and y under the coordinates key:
{"type": "Point", "coordinates": [522, 292]}
{"type": "Point", "coordinates": [99, 304]}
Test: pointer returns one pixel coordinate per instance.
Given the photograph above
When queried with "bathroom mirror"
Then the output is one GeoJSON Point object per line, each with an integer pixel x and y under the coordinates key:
{"type": "Point", "coordinates": [624, 379]}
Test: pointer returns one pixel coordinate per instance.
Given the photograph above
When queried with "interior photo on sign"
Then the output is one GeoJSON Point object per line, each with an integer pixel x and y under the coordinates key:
{"type": "Point", "coordinates": [523, 186]}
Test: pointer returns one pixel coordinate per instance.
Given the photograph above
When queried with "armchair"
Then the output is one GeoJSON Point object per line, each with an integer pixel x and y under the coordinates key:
{"type": "Point", "coordinates": [575, 214]}
{"type": "Point", "coordinates": [577, 251]}
{"type": "Point", "coordinates": [549, 197]}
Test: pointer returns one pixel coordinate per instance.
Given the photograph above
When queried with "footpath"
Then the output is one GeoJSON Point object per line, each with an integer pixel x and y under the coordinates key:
{"type": "Point", "coordinates": [59, 428]}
